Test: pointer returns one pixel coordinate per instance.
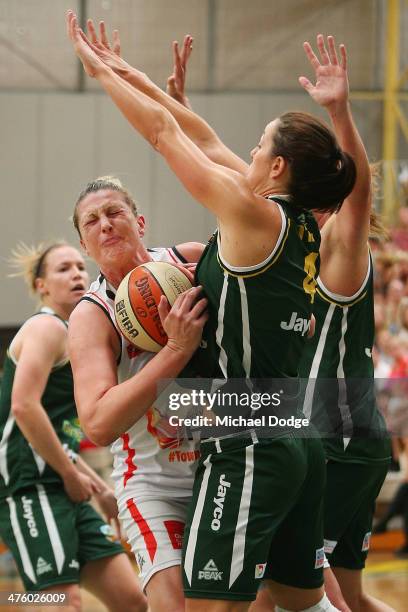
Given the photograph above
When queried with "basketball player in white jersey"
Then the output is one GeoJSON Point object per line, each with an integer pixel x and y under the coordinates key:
{"type": "Point", "coordinates": [153, 467]}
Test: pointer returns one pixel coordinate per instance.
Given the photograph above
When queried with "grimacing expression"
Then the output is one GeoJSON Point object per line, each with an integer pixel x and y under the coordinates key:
{"type": "Point", "coordinates": [65, 279]}
{"type": "Point", "coordinates": [107, 225]}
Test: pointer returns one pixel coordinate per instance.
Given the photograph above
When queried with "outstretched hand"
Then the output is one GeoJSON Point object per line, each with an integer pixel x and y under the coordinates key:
{"type": "Point", "coordinates": [331, 89]}
{"type": "Point", "coordinates": [177, 81]}
{"type": "Point", "coordinates": [90, 61]}
{"type": "Point", "coordinates": [108, 53]}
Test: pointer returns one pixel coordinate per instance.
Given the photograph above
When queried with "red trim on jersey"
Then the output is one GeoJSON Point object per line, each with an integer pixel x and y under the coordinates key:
{"type": "Point", "coordinates": [129, 459]}
{"type": "Point", "coordinates": [108, 308]}
{"type": "Point", "coordinates": [146, 532]}
{"type": "Point", "coordinates": [170, 252]}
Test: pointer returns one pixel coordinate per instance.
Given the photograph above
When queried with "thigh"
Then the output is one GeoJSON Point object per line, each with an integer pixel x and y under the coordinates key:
{"type": "Point", "coordinates": [38, 525]}
{"type": "Point", "coordinates": [350, 496]}
{"type": "Point", "coordinates": [296, 555]}
{"type": "Point", "coordinates": [154, 529]}
{"type": "Point", "coordinates": [96, 538]}
{"type": "Point", "coordinates": [241, 495]}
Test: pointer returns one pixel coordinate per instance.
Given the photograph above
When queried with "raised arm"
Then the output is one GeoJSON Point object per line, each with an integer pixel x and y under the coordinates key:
{"type": "Point", "coordinates": [196, 128]}
{"type": "Point", "coordinates": [350, 226]}
{"type": "Point", "coordinates": [220, 189]}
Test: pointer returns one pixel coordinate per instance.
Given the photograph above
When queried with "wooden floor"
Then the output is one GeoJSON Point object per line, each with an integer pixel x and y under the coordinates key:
{"type": "Point", "coordinates": [385, 577]}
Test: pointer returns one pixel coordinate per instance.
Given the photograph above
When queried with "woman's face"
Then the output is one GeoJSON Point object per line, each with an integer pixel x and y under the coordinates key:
{"type": "Point", "coordinates": [108, 227]}
{"type": "Point", "coordinates": [65, 278]}
{"type": "Point", "coordinates": [262, 159]}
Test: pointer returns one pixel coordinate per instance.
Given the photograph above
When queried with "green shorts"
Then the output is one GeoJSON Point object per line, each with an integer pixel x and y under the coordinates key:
{"type": "Point", "coordinates": [51, 538]}
{"type": "Point", "coordinates": [349, 504]}
{"type": "Point", "coordinates": [256, 513]}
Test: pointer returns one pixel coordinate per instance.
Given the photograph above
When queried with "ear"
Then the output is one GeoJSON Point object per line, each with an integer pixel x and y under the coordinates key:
{"type": "Point", "coordinates": [41, 286]}
{"type": "Point", "coordinates": [279, 166]}
{"type": "Point", "coordinates": [142, 225]}
{"type": "Point", "coordinates": [83, 247]}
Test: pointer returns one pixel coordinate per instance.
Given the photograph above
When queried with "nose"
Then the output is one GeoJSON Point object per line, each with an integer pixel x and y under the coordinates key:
{"type": "Point", "coordinates": [106, 225]}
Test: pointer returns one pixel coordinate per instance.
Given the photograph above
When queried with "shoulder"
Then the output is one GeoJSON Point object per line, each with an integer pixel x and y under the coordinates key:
{"type": "Point", "coordinates": [190, 251]}
{"type": "Point", "coordinates": [44, 336]}
{"type": "Point", "coordinates": [44, 326]}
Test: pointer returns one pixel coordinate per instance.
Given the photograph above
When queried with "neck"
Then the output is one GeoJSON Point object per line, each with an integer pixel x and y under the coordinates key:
{"type": "Point", "coordinates": [266, 190]}
{"type": "Point", "coordinates": [115, 272]}
{"type": "Point", "coordinates": [62, 310]}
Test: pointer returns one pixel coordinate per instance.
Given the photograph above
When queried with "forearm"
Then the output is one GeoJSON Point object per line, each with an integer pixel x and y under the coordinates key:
{"type": "Point", "coordinates": [147, 116]}
{"type": "Point", "coordinates": [192, 124]}
{"type": "Point", "coordinates": [350, 141]}
{"type": "Point", "coordinates": [36, 427]}
{"type": "Point", "coordinates": [121, 406]}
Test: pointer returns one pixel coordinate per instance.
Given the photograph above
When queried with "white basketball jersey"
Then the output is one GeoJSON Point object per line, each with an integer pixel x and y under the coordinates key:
{"type": "Point", "coordinates": [150, 458]}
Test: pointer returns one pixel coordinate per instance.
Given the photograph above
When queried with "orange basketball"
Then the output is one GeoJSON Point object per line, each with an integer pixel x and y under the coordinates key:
{"type": "Point", "coordinates": [137, 299]}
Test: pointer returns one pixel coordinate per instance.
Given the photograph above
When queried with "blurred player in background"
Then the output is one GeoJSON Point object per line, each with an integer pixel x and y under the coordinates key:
{"type": "Point", "coordinates": [57, 539]}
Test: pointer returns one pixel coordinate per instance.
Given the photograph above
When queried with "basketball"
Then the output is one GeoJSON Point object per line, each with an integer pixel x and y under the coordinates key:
{"type": "Point", "coordinates": [137, 300]}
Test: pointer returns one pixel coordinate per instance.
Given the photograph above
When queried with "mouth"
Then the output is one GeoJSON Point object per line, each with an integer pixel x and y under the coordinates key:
{"type": "Point", "coordinates": [110, 241]}
{"type": "Point", "coordinates": [79, 287]}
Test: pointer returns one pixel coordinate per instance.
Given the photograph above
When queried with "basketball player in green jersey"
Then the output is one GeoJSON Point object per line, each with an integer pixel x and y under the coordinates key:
{"type": "Point", "coordinates": [343, 405]}
{"type": "Point", "coordinates": [275, 263]}
{"type": "Point", "coordinates": [57, 539]}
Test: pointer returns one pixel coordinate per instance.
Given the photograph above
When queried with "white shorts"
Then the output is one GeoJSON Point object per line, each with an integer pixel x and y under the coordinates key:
{"type": "Point", "coordinates": [154, 529]}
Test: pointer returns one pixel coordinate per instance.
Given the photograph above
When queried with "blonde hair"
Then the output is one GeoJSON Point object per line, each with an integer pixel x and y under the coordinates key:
{"type": "Point", "coordinates": [30, 261]}
{"type": "Point", "coordinates": [100, 183]}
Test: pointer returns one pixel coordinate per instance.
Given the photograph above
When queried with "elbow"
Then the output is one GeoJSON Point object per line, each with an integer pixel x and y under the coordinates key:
{"type": "Point", "coordinates": [18, 409]}
{"type": "Point", "coordinates": [163, 132]}
{"type": "Point", "coordinates": [97, 432]}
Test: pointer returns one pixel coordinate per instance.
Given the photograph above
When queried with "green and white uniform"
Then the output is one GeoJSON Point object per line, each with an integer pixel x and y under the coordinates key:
{"type": "Point", "coordinates": [50, 536]}
{"type": "Point", "coordinates": [251, 495]}
{"type": "Point", "coordinates": [340, 399]}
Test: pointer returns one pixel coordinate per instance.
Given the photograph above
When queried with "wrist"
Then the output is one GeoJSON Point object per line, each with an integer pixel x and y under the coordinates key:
{"type": "Point", "coordinates": [68, 471]}
{"type": "Point", "coordinates": [176, 353]}
{"type": "Point", "coordinates": [338, 111]}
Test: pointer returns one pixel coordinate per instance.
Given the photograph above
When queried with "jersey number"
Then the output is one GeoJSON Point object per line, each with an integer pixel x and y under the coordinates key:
{"type": "Point", "coordinates": [309, 284]}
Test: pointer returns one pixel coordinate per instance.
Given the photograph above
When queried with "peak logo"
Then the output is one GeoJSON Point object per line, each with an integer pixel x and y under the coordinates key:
{"type": "Point", "coordinates": [210, 572]}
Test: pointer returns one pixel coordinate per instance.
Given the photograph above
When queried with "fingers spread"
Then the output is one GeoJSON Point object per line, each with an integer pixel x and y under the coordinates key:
{"type": "Point", "coordinates": [343, 56]}
{"type": "Point", "coordinates": [91, 31]}
{"type": "Point", "coordinates": [332, 50]}
{"type": "Point", "coordinates": [103, 35]}
{"type": "Point", "coordinates": [305, 83]}
{"type": "Point", "coordinates": [311, 55]}
{"type": "Point", "coordinates": [322, 49]}
{"type": "Point", "coordinates": [116, 42]}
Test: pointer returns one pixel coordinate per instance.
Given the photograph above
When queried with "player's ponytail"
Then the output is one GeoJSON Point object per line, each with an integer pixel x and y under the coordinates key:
{"type": "Point", "coordinates": [321, 174]}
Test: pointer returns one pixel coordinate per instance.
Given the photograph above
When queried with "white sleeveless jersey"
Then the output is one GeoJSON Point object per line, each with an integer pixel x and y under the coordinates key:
{"type": "Point", "coordinates": [150, 460]}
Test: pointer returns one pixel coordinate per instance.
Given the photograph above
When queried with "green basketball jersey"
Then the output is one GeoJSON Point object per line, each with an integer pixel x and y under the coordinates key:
{"type": "Point", "coordinates": [20, 465]}
{"type": "Point", "coordinates": [260, 315]}
{"type": "Point", "coordinates": [340, 392]}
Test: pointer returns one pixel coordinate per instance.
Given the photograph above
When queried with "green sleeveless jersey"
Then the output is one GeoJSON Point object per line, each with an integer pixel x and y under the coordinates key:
{"type": "Point", "coordinates": [260, 315]}
{"type": "Point", "coordinates": [340, 392]}
{"type": "Point", "coordinates": [20, 465]}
